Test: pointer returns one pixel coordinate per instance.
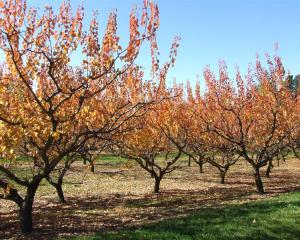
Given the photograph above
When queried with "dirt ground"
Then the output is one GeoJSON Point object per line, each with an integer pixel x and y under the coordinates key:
{"type": "Point", "coordinates": [117, 196]}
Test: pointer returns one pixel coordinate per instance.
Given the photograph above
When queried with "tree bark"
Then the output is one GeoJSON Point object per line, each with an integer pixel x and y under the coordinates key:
{"type": "Point", "coordinates": [157, 185]}
{"type": "Point", "coordinates": [258, 181]}
{"type": "Point", "coordinates": [222, 174]}
{"type": "Point", "coordinates": [92, 166]}
{"type": "Point", "coordinates": [58, 186]}
{"type": "Point", "coordinates": [270, 166]}
{"type": "Point", "coordinates": [189, 161]}
{"type": "Point", "coordinates": [200, 167]}
{"type": "Point", "coordinates": [60, 193]}
{"type": "Point", "coordinates": [25, 213]}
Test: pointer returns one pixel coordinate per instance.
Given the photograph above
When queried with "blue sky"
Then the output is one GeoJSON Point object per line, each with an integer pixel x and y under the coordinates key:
{"type": "Point", "coordinates": [210, 30]}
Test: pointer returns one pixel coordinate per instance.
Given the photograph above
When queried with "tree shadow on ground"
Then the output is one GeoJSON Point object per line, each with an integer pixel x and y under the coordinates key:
{"type": "Point", "coordinates": [110, 212]}
{"type": "Point", "coordinates": [85, 216]}
{"type": "Point", "coordinates": [245, 221]}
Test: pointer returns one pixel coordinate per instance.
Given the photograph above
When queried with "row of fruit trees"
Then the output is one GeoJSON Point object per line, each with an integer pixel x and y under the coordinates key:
{"type": "Point", "coordinates": [53, 113]}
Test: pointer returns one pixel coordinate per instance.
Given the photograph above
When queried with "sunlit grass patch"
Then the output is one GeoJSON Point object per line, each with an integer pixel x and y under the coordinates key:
{"type": "Point", "coordinates": [276, 218]}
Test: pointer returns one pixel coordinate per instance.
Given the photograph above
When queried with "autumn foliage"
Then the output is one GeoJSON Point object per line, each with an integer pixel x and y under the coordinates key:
{"type": "Point", "coordinates": [51, 109]}
{"type": "Point", "coordinates": [159, 138]}
{"type": "Point", "coordinates": [53, 113]}
{"type": "Point", "coordinates": [249, 117]}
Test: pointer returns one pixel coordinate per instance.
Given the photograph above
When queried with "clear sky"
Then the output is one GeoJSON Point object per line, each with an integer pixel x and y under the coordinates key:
{"type": "Point", "coordinates": [210, 30]}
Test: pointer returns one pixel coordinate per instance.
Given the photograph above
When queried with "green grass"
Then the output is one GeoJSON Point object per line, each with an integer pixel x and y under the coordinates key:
{"type": "Point", "coordinates": [115, 160]}
{"type": "Point", "coordinates": [276, 218]}
{"type": "Point", "coordinates": [111, 159]}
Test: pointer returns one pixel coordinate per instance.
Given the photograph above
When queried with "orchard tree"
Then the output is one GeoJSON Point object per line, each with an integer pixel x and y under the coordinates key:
{"type": "Point", "coordinates": [294, 145]}
{"type": "Point", "coordinates": [254, 116]}
{"type": "Point", "coordinates": [157, 144]}
{"type": "Point", "coordinates": [205, 146]}
{"type": "Point", "coordinates": [294, 137]}
{"type": "Point", "coordinates": [222, 158]}
{"type": "Point", "coordinates": [198, 153]}
{"type": "Point", "coordinates": [50, 109]}
{"type": "Point", "coordinates": [196, 147]}
{"type": "Point", "coordinates": [57, 175]}
{"type": "Point", "coordinates": [88, 153]}
{"type": "Point", "coordinates": [92, 151]}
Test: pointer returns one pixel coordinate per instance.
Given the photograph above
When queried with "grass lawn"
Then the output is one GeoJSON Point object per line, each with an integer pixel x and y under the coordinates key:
{"type": "Point", "coordinates": [275, 218]}
{"type": "Point", "coordinates": [108, 158]}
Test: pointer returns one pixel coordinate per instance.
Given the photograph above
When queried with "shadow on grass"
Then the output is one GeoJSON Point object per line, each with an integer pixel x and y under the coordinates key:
{"type": "Point", "coordinates": [278, 218]}
{"type": "Point", "coordinates": [274, 219]}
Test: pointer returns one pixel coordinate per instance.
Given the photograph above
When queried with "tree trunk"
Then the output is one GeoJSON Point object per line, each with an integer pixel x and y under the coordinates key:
{"type": "Point", "coordinates": [222, 174]}
{"type": "Point", "coordinates": [84, 161]}
{"type": "Point", "coordinates": [157, 185]}
{"type": "Point", "coordinates": [25, 213]}
{"type": "Point", "coordinates": [60, 192]}
{"type": "Point", "coordinates": [92, 166]}
{"type": "Point", "coordinates": [189, 161]}
{"type": "Point", "coordinates": [258, 181]}
{"type": "Point", "coordinates": [270, 166]}
{"type": "Point", "coordinates": [58, 186]}
{"type": "Point", "coordinates": [201, 167]}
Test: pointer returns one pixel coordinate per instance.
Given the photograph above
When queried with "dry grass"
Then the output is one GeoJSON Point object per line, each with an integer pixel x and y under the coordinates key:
{"type": "Point", "coordinates": [117, 195]}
